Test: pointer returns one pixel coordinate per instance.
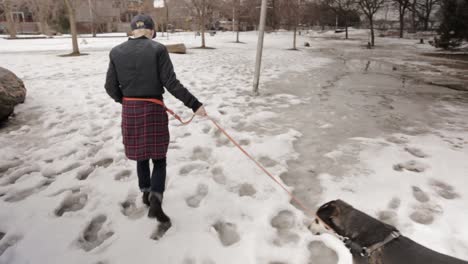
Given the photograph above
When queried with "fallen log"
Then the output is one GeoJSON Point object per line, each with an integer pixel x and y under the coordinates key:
{"type": "Point", "coordinates": [176, 48]}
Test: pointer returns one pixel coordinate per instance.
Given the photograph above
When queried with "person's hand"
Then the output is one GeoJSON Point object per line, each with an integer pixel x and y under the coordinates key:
{"type": "Point", "coordinates": [201, 111]}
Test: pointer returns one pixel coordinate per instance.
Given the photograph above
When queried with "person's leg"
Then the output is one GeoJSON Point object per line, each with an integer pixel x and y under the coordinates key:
{"type": "Point", "coordinates": [144, 179]}
{"type": "Point", "coordinates": [158, 183]}
{"type": "Point", "coordinates": [158, 177]}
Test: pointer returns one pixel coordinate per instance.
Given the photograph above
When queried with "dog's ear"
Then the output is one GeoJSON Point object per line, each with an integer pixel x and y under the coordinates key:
{"type": "Point", "coordinates": [328, 211]}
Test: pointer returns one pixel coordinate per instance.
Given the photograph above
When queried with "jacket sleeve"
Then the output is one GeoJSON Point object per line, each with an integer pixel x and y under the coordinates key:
{"type": "Point", "coordinates": [112, 83]}
{"type": "Point", "coordinates": [169, 80]}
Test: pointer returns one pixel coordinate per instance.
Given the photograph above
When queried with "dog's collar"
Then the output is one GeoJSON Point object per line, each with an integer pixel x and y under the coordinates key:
{"type": "Point", "coordinates": [358, 249]}
{"type": "Point", "coordinates": [367, 251]}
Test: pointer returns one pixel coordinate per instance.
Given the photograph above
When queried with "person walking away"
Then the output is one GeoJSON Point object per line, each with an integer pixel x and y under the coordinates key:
{"type": "Point", "coordinates": [139, 70]}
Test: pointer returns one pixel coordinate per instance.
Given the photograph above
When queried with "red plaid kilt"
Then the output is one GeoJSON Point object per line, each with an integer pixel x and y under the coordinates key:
{"type": "Point", "coordinates": [145, 130]}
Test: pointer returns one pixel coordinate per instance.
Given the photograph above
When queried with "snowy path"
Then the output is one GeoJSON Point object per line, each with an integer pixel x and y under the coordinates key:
{"type": "Point", "coordinates": [382, 141]}
{"type": "Point", "coordinates": [68, 195]}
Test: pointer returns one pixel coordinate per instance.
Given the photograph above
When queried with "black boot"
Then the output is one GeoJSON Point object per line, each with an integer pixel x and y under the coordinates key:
{"type": "Point", "coordinates": [155, 210]}
{"type": "Point", "coordinates": [145, 198]}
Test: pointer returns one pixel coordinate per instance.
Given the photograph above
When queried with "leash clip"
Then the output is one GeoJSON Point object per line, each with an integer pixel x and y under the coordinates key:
{"type": "Point", "coordinates": [365, 252]}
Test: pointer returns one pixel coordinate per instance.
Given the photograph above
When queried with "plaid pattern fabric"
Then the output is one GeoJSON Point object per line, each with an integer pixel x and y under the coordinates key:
{"type": "Point", "coordinates": [145, 130]}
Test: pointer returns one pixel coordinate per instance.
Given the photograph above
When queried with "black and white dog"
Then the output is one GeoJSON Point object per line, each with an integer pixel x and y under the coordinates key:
{"type": "Point", "coordinates": [371, 241]}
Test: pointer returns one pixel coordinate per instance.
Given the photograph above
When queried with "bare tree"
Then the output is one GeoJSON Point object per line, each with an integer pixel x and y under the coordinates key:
{"type": "Point", "coordinates": [424, 9]}
{"type": "Point", "coordinates": [7, 9]}
{"type": "Point", "coordinates": [240, 12]}
{"type": "Point", "coordinates": [167, 17]}
{"type": "Point", "coordinates": [92, 15]}
{"type": "Point", "coordinates": [402, 6]}
{"type": "Point", "coordinates": [41, 10]}
{"type": "Point", "coordinates": [369, 8]}
{"type": "Point", "coordinates": [74, 32]}
{"type": "Point", "coordinates": [202, 9]}
{"type": "Point", "coordinates": [342, 8]}
{"type": "Point", "coordinates": [236, 17]}
{"type": "Point", "coordinates": [290, 14]}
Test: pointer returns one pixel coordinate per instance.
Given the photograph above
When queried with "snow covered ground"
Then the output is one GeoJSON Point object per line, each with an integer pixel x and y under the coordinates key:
{"type": "Point", "coordinates": [68, 194]}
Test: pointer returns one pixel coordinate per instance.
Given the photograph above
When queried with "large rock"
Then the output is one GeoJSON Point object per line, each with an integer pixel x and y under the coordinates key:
{"type": "Point", "coordinates": [12, 92]}
{"type": "Point", "coordinates": [176, 48]}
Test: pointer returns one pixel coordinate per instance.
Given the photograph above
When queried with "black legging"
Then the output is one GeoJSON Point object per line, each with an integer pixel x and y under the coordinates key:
{"type": "Point", "coordinates": [155, 182]}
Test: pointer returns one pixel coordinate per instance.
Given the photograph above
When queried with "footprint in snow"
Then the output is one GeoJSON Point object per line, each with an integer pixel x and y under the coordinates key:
{"type": "Point", "coordinates": [206, 129]}
{"type": "Point", "coordinates": [227, 233]}
{"type": "Point", "coordinates": [130, 209]}
{"type": "Point", "coordinates": [416, 152]}
{"type": "Point", "coordinates": [195, 200]}
{"type": "Point", "coordinates": [73, 202]}
{"type": "Point", "coordinates": [8, 242]}
{"type": "Point", "coordinates": [389, 216]}
{"type": "Point", "coordinates": [84, 173]}
{"type": "Point", "coordinates": [187, 169]}
{"type": "Point", "coordinates": [284, 222]}
{"type": "Point", "coordinates": [25, 193]}
{"type": "Point", "coordinates": [106, 162]}
{"type": "Point", "coordinates": [94, 234]}
{"type": "Point", "coordinates": [244, 142]}
{"type": "Point", "coordinates": [247, 189]}
{"type": "Point", "coordinates": [189, 261]}
{"type": "Point", "coordinates": [321, 253]}
{"type": "Point", "coordinates": [397, 139]}
{"type": "Point", "coordinates": [201, 153]}
{"type": "Point", "coordinates": [412, 165]}
{"type": "Point", "coordinates": [267, 162]}
{"type": "Point", "coordinates": [18, 174]}
{"type": "Point", "coordinates": [123, 175]}
{"type": "Point", "coordinates": [444, 190]}
{"type": "Point", "coordinates": [222, 141]}
{"type": "Point", "coordinates": [218, 175]}
{"type": "Point", "coordinates": [8, 165]}
{"type": "Point", "coordinates": [394, 203]}
{"type": "Point", "coordinates": [51, 172]}
{"type": "Point", "coordinates": [93, 150]}
{"type": "Point", "coordinates": [425, 213]}
{"type": "Point", "coordinates": [420, 195]}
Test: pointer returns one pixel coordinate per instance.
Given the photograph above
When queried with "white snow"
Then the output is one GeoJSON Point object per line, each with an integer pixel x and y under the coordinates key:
{"type": "Point", "coordinates": [69, 128]}
{"type": "Point", "coordinates": [62, 164]}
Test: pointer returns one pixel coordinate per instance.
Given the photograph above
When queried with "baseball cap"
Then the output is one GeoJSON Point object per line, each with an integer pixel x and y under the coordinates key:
{"type": "Point", "coordinates": [142, 22]}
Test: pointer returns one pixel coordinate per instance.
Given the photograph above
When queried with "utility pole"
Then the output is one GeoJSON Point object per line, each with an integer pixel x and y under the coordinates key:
{"type": "Point", "coordinates": [261, 35]}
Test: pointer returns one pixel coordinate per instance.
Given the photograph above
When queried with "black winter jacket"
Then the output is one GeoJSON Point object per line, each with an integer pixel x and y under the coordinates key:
{"type": "Point", "coordinates": [142, 68]}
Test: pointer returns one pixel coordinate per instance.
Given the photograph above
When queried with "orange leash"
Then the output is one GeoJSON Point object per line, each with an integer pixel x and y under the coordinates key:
{"type": "Point", "coordinates": [176, 116]}
{"type": "Point", "coordinates": [161, 103]}
{"type": "Point", "coordinates": [294, 198]}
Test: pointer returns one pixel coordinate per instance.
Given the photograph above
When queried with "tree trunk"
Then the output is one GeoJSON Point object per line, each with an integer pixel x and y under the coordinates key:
{"type": "Point", "coordinates": [402, 22]}
{"type": "Point", "coordinates": [74, 33]}
{"type": "Point", "coordinates": [203, 14]}
{"type": "Point", "coordinates": [413, 16]}
{"type": "Point", "coordinates": [238, 29]}
{"type": "Point", "coordinates": [427, 15]}
{"type": "Point", "coordinates": [233, 14]}
{"type": "Point", "coordinates": [167, 17]}
{"type": "Point", "coordinates": [43, 14]}
{"type": "Point", "coordinates": [295, 36]}
{"type": "Point", "coordinates": [371, 22]}
{"type": "Point", "coordinates": [346, 26]}
{"type": "Point", "coordinates": [9, 19]}
{"type": "Point", "coordinates": [44, 28]}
